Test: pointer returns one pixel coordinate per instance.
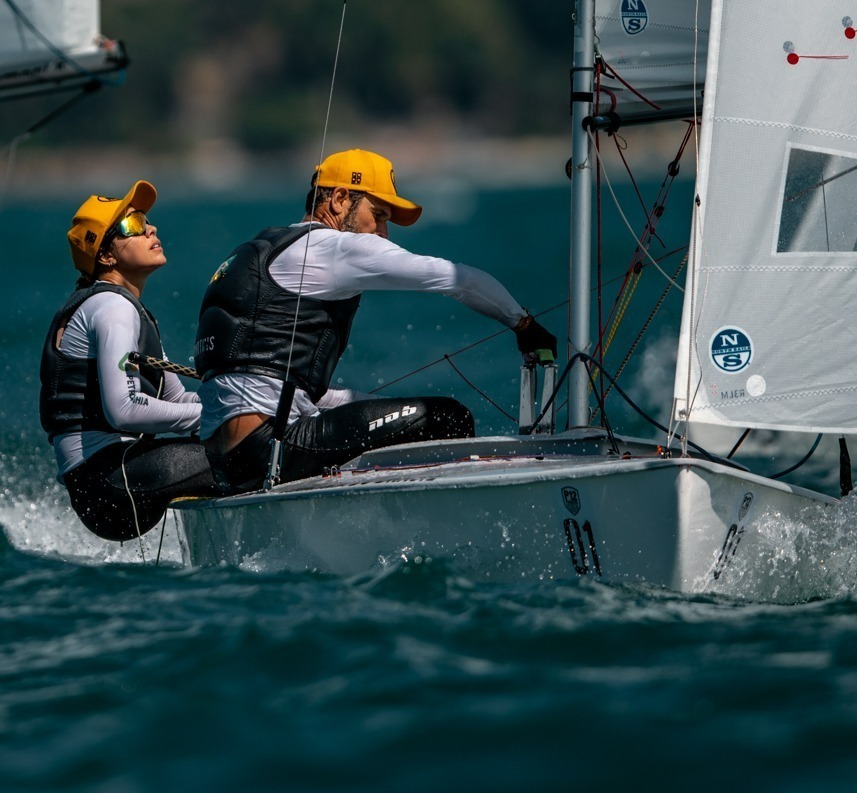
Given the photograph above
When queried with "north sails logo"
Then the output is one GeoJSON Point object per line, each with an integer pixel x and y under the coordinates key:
{"type": "Point", "coordinates": [635, 16]}
{"type": "Point", "coordinates": [731, 349]}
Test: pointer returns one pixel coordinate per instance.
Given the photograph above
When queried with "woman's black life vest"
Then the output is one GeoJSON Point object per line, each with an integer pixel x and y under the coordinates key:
{"type": "Point", "coordinates": [247, 321]}
{"type": "Point", "coordinates": [70, 398]}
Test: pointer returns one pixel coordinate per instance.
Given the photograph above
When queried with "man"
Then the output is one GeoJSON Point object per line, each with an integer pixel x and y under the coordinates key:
{"type": "Point", "coordinates": [280, 308]}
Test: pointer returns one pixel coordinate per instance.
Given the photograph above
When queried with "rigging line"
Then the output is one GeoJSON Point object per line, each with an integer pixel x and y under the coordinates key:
{"type": "Point", "coordinates": [669, 177]}
{"type": "Point", "coordinates": [315, 185]}
{"type": "Point", "coordinates": [12, 146]}
{"type": "Point", "coordinates": [738, 443]}
{"type": "Point", "coordinates": [461, 350]}
{"type": "Point", "coordinates": [163, 365]}
{"type": "Point", "coordinates": [188, 372]}
{"type": "Point", "coordinates": [623, 302]}
{"type": "Point", "coordinates": [800, 462]}
{"type": "Point", "coordinates": [657, 306]}
{"type": "Point", "coordinates": [478, 390]}
{"type": "Point", "coordinates": [633, 90]}
{"type": "Point", "coordinates": [661, 197]}
{"type": "Point", "coordinates": [628, 225]}
{"type": "Point", "coordinates": [464, 349]}
{"type": "Point", "coordinates": [673, 423]}
{"type": "Point", "coordinates": [646, 325]}
{"type": "Point", "coordinates": [695, 90]}
{"type": "Point", "coordinates": [584, 358]}
{"type": "Point", "coordinates": [822, 183]}
{"type": "Point", "coordinates": [127, 484]}
{"type": "Point", "coordinates": [53, 48]}
{"type": "Point", "coordinates": [647, 417]}
{"type": "Point", "coordinates": [600, 398]}
{"type": "Point", "coordinates": [128, 447]}
{"type": "Point", "coordinates": [626, 292]}
{"type": "Point", "coordinates": [639, 195]}
{"type": "Point", "coordinates": [58, 111]}
{"type": "Point", "coordinates": [666, 182]}
{"type": "Point", "coordinates": [287, 390]}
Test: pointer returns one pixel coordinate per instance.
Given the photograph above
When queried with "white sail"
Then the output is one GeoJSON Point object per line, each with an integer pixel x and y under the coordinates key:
{"type": "Point", "coordinates": [48, 45]}
{"type": "Point", "coordinates": [658, 47]}
{"type": "Point", "coordinates": [769, 329]}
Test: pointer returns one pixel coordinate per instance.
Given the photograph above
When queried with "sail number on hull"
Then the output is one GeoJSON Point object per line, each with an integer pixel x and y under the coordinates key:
{"type": "Point", "coordinates": [581, 546]}
{"type": "Point", "coordinates": [734, 535]}
{"type": "Point", "coordinates": [580, 538]}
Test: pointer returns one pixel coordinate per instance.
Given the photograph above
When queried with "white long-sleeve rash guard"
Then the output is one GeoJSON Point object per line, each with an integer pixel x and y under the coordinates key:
{"type": "Point", "coordinates": [107, 327]}
{"type": "Point", "coordinates": [336, 265]}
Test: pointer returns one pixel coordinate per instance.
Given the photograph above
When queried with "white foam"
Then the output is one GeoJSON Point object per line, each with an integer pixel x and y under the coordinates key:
{"type": "Point", "coordinates": [46, 524]}
{"type": "Point", "coordinates": [792, 560]}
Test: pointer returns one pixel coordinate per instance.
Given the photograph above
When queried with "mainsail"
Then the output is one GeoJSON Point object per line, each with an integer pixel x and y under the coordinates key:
{"type": "Point", "coordinates": [47, 45]}
{"type": "Point", "coordinates": [769, 328]}
{"type": "Point", "coordinates": [658, 48]}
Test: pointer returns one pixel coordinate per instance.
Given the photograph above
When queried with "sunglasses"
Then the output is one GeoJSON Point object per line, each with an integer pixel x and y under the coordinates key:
{"type": "Point", "coordinates": [134, 225]}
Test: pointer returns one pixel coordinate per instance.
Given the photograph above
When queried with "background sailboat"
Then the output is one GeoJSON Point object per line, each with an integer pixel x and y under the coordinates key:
{"type": "Point", "coordinates": [48, 46]}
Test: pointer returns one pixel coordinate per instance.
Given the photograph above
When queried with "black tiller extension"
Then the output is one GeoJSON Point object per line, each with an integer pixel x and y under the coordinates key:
{"type": "Point", "coordinates": [281, 423]}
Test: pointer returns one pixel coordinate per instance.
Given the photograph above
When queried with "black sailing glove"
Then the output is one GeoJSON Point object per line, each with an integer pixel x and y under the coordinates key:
{"type": "Point", "coordinates": [535, 342]}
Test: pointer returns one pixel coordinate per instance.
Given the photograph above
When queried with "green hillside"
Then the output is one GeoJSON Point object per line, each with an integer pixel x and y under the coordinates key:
{"type": "Point", "coordinates": [259, 72]}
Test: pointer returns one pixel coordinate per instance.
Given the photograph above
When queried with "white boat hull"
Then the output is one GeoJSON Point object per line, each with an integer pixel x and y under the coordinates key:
{"type": "Point", "coordinates": [533, 509]}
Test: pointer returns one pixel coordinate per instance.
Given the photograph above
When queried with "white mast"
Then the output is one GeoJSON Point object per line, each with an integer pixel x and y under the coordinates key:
{"type": "Point", "coordinates": [581, 210]}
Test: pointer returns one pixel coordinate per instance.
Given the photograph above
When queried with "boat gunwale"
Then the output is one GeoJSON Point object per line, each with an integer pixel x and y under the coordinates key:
{"type": "Point", "coordinates": [552, 469]}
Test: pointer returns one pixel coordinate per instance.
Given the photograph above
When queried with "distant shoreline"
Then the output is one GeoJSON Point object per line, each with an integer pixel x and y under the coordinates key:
{"type": "Point", "coordinates": [219, 167]}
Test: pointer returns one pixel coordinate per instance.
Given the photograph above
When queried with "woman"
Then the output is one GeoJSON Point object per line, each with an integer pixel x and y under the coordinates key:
{"type": "Point", "coordinates": [101, 412]}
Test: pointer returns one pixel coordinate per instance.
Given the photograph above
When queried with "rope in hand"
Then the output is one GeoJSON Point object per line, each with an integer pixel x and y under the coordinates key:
{"type": "Point", "coordinates": [162, 365]}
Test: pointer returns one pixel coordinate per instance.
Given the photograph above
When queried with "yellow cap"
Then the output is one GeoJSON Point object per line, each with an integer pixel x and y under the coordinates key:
{"type": "Point", "coordinates": [97, 215]}
{"type": "Point", "coordinates": [369, 173]}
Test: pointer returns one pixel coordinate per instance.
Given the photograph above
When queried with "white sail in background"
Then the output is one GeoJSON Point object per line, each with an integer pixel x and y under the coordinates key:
{"type": "Point", "coordinates": [659, 47]}
{"type": "Point", "coordinates": [48, 45]}
{"type": "Point", "coordinates": [769, 329]}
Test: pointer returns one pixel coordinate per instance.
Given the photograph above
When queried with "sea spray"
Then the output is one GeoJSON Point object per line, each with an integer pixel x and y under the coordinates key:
{"type": "Point", "coordinates": [36, 516]}
{"type": "Point", "coordinates": [795, 559]}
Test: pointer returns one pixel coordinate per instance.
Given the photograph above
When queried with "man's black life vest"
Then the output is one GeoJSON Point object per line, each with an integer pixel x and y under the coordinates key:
{"type": "Point", "coordinates": [247, 321]}
{"type": "Point", "coordinates": [70, 398]}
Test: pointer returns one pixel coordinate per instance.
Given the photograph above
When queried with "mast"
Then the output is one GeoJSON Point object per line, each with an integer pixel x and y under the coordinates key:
{"type": "Point", "coordinates": [581, 210]}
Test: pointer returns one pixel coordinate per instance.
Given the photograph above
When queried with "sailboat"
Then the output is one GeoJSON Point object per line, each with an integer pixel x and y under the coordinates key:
{"type": "Point", "coordinates": [772, 239]}
{"type": "Point", "coordinates": [49, 47]}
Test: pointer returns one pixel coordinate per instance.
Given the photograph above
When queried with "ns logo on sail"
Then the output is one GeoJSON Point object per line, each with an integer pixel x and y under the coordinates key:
{"type": "Point", "coordinates": [635, 16]}
{"type": "Point", "coordinates": [731, 349]}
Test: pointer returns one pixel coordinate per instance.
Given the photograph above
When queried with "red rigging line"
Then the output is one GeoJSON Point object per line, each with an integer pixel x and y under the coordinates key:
{"type": "Point", "coordinates": [614, 73]}
{"type": "Point", "coordinates": [652, 218]}
{"type": "Point", "coordinates": [793, 58]}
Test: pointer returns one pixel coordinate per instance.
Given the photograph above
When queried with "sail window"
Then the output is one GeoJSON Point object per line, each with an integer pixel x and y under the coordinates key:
{"type": "Point", "coordinates": [817, 208]}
